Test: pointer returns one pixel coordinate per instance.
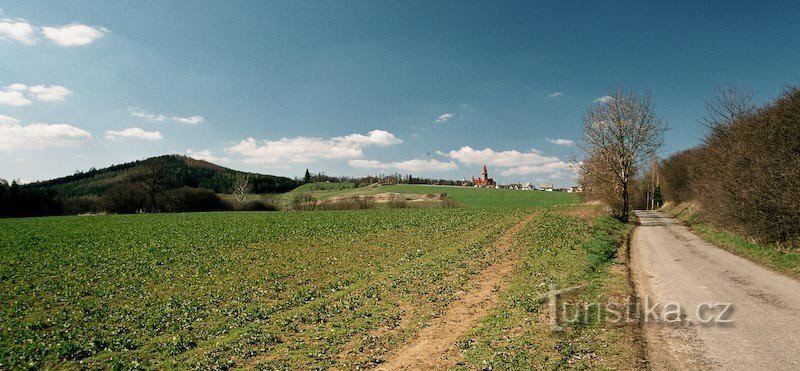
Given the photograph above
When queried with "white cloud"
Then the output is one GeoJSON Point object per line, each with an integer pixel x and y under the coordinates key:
{"type": "Point", "coordinates": [17, 86]}
{"type": "Point", "coordinates": [309, 149]}
{"type": "Point", "coordinates": [556, 94]}
{"type": "Point", "coordinates": [205, 155]}
{"type": "Point", "coordinates": [17, 30]}
{"type": "Point", "coordinates": [444, 117]}
{"type": "Point", "coordinates": [604, 99]}
{"type": "Point", "coordinates": [19, 94]}
{"type": "Point", "coordinates": [134, 133]}
{"type": "Point", "coordinates": [49, 93]}
{"type": "Point", "coordinates": [75, 34]}
{"type": "Point", "coordinates": [158, 117]}
{"type": "Point", "coordinates": [138, 112]}
{"type": "Point", "coordinates": [13, 98]}
{"type": "Point", "coordinates": [561, 142]}
{"type": "Point", "coordinates": [14, 136]}
{"type": "Point", "coordinates": [190, 120]}
{"type": "Point", "coordinates": [409, 165]}
{"type": "Point", "coordinates": [375, 137]}
{"type": "Point", "coordinates": [511, 162]}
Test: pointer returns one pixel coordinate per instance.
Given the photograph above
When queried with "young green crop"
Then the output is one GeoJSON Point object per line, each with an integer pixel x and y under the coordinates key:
{"type": "Point", "coordinates": [213, 290]}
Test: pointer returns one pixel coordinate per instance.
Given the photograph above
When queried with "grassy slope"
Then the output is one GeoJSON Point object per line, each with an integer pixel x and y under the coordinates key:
{"type": "Point", "coordinates": [468, 196]}
{"type": "Point", "coordinates": [780, 259]}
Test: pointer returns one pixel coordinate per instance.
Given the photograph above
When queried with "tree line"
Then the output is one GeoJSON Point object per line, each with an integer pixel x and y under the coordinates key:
{"type": "Point", "coordinates": [745, 175]}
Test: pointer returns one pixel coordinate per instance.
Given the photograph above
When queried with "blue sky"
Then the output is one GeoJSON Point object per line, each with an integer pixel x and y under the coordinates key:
{"type": "Point", "coordinates": [431, 88]}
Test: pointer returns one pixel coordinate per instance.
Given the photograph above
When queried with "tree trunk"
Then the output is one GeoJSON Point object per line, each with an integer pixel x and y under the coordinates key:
{"type": "Point", "coordinates": [624, 217]}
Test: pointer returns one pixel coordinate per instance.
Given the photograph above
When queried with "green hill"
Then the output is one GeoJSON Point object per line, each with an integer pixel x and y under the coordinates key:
{"type": "Point", "coordinates": [183, 172]}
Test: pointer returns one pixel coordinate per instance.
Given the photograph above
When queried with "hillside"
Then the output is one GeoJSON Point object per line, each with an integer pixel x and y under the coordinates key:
{"type": "Point", "coordinates": [183, 172]}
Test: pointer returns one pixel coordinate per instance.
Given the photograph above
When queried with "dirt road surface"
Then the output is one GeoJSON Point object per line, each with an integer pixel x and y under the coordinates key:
{"type": "Point", "coordinates": [672, 265]}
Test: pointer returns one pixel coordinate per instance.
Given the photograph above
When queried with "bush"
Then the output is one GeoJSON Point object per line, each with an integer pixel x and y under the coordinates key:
{"type": "Point", "coordinates": [256, 205]}
{"type": "Point", "coordinates": [124, 198]}
{"type": "Point", "coordinates": [747, 172]}
{"type": "Point", "coordinates": [83, 205]}
{"type": "Point", "coordinates": [351, 203]}
{"type": "Point", "coordinates": [304, 202]}
{"type": "Point", "coordinates": [188, 199]}
{"type": "Point", "coordinates": [397, 202]}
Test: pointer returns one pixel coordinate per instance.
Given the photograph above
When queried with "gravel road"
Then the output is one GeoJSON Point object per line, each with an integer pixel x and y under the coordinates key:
{"type": "Point", "coordinates": [749, 317]}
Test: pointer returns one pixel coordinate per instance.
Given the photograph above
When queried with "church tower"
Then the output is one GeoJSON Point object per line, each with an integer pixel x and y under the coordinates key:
{"type": "Point", "coordinates": [485, 173]}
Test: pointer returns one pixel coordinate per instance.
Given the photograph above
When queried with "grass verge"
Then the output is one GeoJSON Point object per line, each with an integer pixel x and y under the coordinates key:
{"type": "Point", "coordinates": [781, 259]}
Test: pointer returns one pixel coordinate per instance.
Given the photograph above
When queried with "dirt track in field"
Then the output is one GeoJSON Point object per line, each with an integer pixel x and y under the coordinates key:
{"type": "Point", "coordinates": [434, 348]}
{"type": "Point", "coordinates": [672, 265]}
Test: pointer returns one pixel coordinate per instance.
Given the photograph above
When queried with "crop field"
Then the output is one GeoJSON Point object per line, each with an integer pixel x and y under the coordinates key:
{"type": "Point", "coordinates": [223, 289]}
{"type": "Point", "coordinates": [285, 290]}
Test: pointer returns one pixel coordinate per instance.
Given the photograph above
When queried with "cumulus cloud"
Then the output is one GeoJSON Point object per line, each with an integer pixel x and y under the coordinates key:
{"type": "Point", "coordinates": [310, 149]}
{"type": "Point", "coordinates": [416, 165]}
{"type": "Point", "coordinates": [17, 30]}
{"type": "Point", "coordinates": [556, 94]}
{"type": "Point", "coordinates": [15, 136]}
{"type": "Point", "coordinates": [158, 117]}
{"type": "Point", "coordinates": [205, 155]}
{"type": "Point", "coordinates": [13, 98]}
{"type": "Point", "coordinates": [19, 94]}
{"type": "Point", "coordinates": [75, 34]}
{"type": "Point", "coordinates": [510, 162]}
{"type": "Point", "coordinates": [133, 133]}
{"type": "Point", "coordinates": [49, 93]}
{"type": "Point", "coordinates": [444, 117]}
{"type": "Point", "coordinates": [375, 137]}
{"type": "Point", "coordinates": [561, 142]}
{"type": "Point", "coordinates": [604, 99]}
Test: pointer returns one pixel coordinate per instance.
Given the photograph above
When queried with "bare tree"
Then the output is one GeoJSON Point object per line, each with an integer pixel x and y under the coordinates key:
{"type": "Point", "coordinates": [242, 187]}
{"type": "Point", "coordinates": [619, 135]}
{"type": "Point", "coordinates": [730, 105]}
{"type": "Point", "coordinates": [155, 178]}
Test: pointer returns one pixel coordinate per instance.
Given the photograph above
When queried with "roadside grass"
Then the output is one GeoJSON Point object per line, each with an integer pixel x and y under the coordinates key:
{"type": "Point", "coordinates": [782, 259]}
{"type": "Point", "coordinates": [232, 289]}
{"type": "Point", "coordinates": [560, 250]}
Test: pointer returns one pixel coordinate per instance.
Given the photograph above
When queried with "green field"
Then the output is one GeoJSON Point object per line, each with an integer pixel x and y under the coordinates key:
{"type": "Point", "coordinates": [280, 290]}
{"type": "Point", "coordinates": [466, 196]}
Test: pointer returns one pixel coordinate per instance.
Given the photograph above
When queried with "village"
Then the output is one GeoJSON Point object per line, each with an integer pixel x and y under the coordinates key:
{"type": "Point", "coordinates": [485, 182]}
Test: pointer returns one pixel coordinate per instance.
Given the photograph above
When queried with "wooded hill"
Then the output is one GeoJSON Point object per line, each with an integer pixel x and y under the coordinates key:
{"type": "Point", "coordinates": [164, 183]}
{"type": "Point", "coordinates": [184, 171]}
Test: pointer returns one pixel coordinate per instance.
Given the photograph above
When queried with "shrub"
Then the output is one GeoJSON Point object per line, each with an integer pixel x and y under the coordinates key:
{"type": "Point", "coordinates": [351, 203]}
{"type": "Point", "coordinates": [256, 205]}
{"type": "Point", "coordinates": [190, 199]}
{"type": "Point", "coordinates": [747, 172]}
{"type": "Point", "coordinates": [124, 198]}
{"type": "Point", "coordinates": [397, 202]}
{"type": "Point", "coordinates": [304, 202]}
{"type": "Point", "coordinates": [82, 205]}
